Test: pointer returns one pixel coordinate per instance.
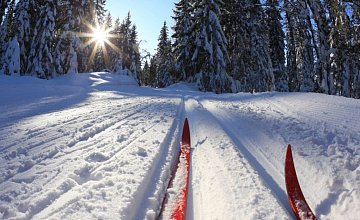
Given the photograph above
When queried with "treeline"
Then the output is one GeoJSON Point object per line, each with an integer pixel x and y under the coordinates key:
{"type": "Point", "coordinates": [47, 38]}
{"type": "Point", "coordinates": [253, 45]}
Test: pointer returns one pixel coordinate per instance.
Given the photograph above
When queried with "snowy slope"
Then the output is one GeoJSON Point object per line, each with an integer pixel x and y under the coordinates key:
{"type": "Point", "coordinates": [92, 146]}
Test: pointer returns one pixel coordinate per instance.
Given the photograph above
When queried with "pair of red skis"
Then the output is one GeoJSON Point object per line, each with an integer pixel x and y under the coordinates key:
{"type": "Point", "coordinates": [296, 197]}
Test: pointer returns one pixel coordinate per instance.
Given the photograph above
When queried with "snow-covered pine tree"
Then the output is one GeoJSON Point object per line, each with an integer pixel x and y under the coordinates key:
{"type": "Point", "coordinates": [210, 55]}
{"type": "Point", "coordinates": [356, 51]}
{"type": "Point", "coordinates": [11, 59]}
{"type": "Point", "coordinates": [25, 19]}
{"type": "Point", "coordinates": [164, 58]}
{"type": "Point", "coordinates": [7, 32]}
{"type": "Point", "coordinates": [234, 26]}
{"type": "Point", "coordinates": [3, 7]}
{"type": "Point", "coordinates": [100, 11]}
{"type": "Point", "coordinates": [276, 38]}
{"type": "Point", "coordinates": [68, 43]}
{"type": "Point", "coordinates": [41, 58]}
{"type": "Point", "coordinates": [261, 78]}
{"type": "Point", "coordinates": [108, 25]}
{"type": "Point", "coordinates": [135, 67]}
{"type": "Point", "coordinates": [88, 19]}
{"type": "Point", "coordinates": [183, 40]}
{"type": "Point", "coordinates": [322, 46]}
{"type": "Point", "coordinates": [340, 37]}
{"type": "Point", "coordinates": [152, 72]}
{"type": "Point", "coordinates": [290, 47]}
{"type": "Point", "coordinates": [124, 41]}
{"type": "Point", "coordinates": [115, 54]}
{"type": "Point", "coordinates": [300, 47]}
{"type": "Point", "coordinates": [145, 74]}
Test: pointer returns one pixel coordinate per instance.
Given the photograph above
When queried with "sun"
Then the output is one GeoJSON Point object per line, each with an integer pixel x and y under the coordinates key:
{"type": "Point", "coordinates": [101, 38]}
{"type": "Point", "coordinates": [100, 35]}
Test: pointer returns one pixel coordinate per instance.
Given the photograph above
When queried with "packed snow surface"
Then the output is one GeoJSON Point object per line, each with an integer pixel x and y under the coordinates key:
{"type": "Point", "coordinates": [97, 146]}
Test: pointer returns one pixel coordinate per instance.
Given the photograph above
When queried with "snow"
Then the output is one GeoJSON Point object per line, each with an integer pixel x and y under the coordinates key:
{"type": "Point", "coordinates": [97, 146]}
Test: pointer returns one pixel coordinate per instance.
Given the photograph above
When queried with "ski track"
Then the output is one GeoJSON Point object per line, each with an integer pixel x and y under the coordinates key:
{"type": "Point", "coordinates": [63, 167]}
{"type": "Point", "coordinates": [97, 151]}
{"type": "Point", "coordinates": [264, 122]}
{"type": "Point", "coordinates": [222, 174]}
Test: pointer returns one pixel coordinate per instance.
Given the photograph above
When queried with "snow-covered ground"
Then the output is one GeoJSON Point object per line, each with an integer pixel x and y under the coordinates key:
{"type": "Point", "coordinates": [97, 146]}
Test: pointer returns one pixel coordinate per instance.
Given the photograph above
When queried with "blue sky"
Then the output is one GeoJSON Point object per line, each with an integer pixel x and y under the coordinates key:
{"type": "Point", "coordinates": [148, 15]}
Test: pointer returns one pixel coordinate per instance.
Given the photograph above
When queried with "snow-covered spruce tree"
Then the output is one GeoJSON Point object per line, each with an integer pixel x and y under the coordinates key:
{"type": "Point", "coordinates": [124, 41]}
{"type": "Point", "coordinates": [322, 46]}
{"type": "Point", "coordinates": [152, 71]}
{"type": "Point", "coordinates": [356, 51]}
{"type": "Point", "coordinates": [100, 10]}
{"type": "Point", "coordinates": [135, 67]}
{"type": "Point", "coordinates": [115, 54]}
{"type": "Point", "coordinates": [300, 65]}
{"type": "Point", "coordinates": [276, 45]}
{"type": "Point", "coordinates": [233, 22]}
{"type": "Point", "coordinates": [250, 63]}
{"type": "Point", "coordinates": [290, 48]}
{"type": "Point", "coordinates": [7, 32]}
{"type": "Point", "coordinates": [88, 19]}
{"type": "Point", "coordinates": [11, 59]}
{"type": "Point", "coordinates": [210, 55]}
{"type": "Point", "coordinates": [25, 19]}
{"type": "Point", "coordinates": [164, 59]}
{"type": "Point", "coordinates": [183, 40]}
{"type": "Point", "coordinates": [145, 74]}
{"type": "Point", "coordinates": [3, 6]}
{"type": "Point", "coordinates": [68, 43]}
{"type": "Point", "coordinates": [41, 58]}
{"type": "Point", "coordinates": [261, 77]}
{"type": "Point", "coordinates": [340, 37]}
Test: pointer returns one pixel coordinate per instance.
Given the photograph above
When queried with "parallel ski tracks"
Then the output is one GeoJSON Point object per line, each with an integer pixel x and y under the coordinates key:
{"type": "Point", "coordinates": [253, 160]}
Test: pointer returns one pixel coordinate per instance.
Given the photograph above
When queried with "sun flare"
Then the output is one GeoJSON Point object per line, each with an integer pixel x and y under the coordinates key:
{"type": "Point", "coordinates": [101, 38]}
{"type": "Point", "coordinates": [100, 35]}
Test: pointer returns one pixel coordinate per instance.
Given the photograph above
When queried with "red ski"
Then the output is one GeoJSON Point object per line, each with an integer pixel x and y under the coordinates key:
{"type": "Point", "coordinates": [296, 197]}
{"type": "Point", "coordinates": [180, 211]}
{"type": "Point", "coordinates": [183, 171]}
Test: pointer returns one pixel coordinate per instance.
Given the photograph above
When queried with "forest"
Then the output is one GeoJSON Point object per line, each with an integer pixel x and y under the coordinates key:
{"type": "Point", "coordinates": [220, 45]}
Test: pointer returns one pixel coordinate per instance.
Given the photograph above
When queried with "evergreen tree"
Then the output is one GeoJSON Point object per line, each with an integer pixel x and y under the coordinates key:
{"type": "Point", "coordinates": [115, 54]}
{"type": "Point", "coordinates": [124, 41]}
{"type": "Point", "coordinates": [69, 45]}
{"type": "Point", "coordinates": [11, 60]}
{"type": "Point", "coordinates": [276, 38]}
{"type": "Point", "coordinates": [7, 32]}
{"type": "Point", "coordinates": [41, 50]}
{"type": "Point", "coordinates": [355, 30]}
{"type": "Point", "coordinates": [135, 54]}
{"type": "Point", "coordinates": [300, 47]}
{"type": "Point", "coordinates": [152, 72]}
{"type": "Point", "coordinates": [25, 15]}
{"type": "Point", "coordinates": [322, 46]}
{"type": "Point", "coordinates": [340, 42]}
{"type": "Point", "coordinates": [183, 40]}
{"type": "Point", "coordinates": [3, 6]}
{"type": "Point", "coordinates": [100, 11]}
{"type": "Point", "coordinates": [145, 74]}
{"type": "Point", "coordinates": [164, 58]}
{"type": "Point", "coordinates": [210, 55]}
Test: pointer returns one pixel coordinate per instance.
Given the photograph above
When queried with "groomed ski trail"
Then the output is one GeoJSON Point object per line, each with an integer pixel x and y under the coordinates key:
{"type": "Point", "coordinates": [223, 182]}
